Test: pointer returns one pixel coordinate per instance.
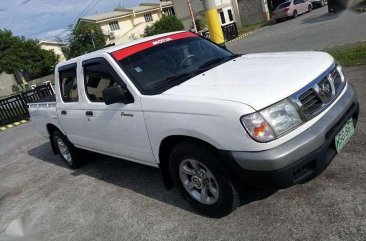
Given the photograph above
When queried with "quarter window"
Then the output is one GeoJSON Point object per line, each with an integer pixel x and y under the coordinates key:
{"type": "Point", "coordinates": [114, 25]}
{"type": "Point", "coordinates": [68, 85]}
{"type": "Point", "coordinates": [148, 17]}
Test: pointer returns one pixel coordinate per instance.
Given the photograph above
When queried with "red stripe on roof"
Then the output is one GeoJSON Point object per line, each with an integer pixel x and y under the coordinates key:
{"type": "Point", "coordinates": [125, 52]}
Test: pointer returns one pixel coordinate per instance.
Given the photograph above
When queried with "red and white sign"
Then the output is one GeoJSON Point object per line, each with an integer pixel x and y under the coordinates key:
{"type": "Point", "coordinates": [124, 53]}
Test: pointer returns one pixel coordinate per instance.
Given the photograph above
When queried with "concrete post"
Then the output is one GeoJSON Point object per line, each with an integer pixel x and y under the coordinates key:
{"type": "Point", "coordinates": [214, 25]}
{"type": "Point", "coordinates": [265, 10]}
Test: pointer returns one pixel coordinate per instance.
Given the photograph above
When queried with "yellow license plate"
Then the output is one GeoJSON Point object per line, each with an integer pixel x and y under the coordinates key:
{"type": "Point", "coordinates": [344, 135]}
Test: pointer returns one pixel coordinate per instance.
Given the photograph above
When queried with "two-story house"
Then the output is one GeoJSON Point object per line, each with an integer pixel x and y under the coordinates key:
{"type": "Point", "coordinates": [123, 25]}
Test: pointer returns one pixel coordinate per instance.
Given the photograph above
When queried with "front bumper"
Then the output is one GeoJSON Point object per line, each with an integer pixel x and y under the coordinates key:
{"type": "Point", "coordinates": [301, 158]}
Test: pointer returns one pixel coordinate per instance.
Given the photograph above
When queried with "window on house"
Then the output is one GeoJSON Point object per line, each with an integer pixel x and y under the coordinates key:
{"type": "Point", "coordinates": [169, 11]}
{"type": "Point", "coordinates": [68, 85]}
{"type": "Point", "coordinates": [222, 16]}
{"type": "Point", "coordinates": [230, 13]}
{"type": "Point", "coordinates": [114, 25]}
{"type": "Point", "coordinates": [148, 17]}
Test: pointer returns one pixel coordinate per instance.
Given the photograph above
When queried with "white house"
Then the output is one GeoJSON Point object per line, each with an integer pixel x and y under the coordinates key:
{"type": "Point", "coordinates": [123, 25]}
{"type": "Point", "coordinates": [55, 47]}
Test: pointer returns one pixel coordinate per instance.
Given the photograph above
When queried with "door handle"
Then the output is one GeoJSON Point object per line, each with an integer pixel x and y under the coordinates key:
{"type": "Point", "coordinates": [63, 112]}
{"type": "Point", "coordinates": [89, 113]}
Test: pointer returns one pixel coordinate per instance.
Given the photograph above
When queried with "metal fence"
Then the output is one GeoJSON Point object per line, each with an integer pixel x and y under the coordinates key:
{"type": "Point", "coordinates": [14, 108]}
{"type": "Point", "coordinates": [230, 32]}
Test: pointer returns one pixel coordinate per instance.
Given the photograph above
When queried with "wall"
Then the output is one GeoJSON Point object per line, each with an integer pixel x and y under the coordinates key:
{"type": "Point", "coordinates": [6, 83]}
{"type": "Point", "coordinates": [250, 11]}
{"type": "Point", "coordinates": [182, 11]}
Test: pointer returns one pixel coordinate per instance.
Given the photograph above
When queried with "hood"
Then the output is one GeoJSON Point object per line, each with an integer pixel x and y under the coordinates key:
{"type": "Point", "coordinates": [257, 80]}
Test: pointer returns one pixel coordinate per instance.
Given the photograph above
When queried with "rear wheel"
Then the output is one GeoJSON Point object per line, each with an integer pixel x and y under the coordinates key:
{"type": "Point", "coordinates": [294, 14]}
{"type": "Point", "coordinates": [197, 172]}
{"type": "Point", "coordinates": [68, 152]}
{"type": "Point", "coordinates": [310, 8]}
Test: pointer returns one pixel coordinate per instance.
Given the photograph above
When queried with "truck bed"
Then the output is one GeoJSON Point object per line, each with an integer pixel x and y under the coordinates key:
{"type": "Point", "coordinates": [42, 113]}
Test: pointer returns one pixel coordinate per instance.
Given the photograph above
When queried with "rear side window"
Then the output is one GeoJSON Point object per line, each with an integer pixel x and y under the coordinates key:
{"type": "Point", "coordinates": [98, 76]}
{"type": "Point", "coordinates": [284, 5]}
{"type": "Point", "coordinates": [68, 85]}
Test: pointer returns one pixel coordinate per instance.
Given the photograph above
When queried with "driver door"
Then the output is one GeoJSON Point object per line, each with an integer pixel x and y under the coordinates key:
{"type": "Point", "coordinates": [117, 129]}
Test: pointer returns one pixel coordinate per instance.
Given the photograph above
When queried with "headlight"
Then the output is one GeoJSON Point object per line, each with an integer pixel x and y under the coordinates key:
{"type": "Point", "coordinates": [272, 122]}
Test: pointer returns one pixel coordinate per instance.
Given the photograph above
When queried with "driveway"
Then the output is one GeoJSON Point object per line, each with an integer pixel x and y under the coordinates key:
{"type": "Point", "coordinates": [312, 31]}
{"type": "Point", "coordinates": [112, 199]}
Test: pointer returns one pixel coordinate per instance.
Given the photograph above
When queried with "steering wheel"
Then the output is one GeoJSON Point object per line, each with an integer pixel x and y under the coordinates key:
{"type": "Point", "coordinates": [184, 61]}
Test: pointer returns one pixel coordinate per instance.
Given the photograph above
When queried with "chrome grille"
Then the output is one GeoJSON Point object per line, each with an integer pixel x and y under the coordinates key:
{"type": "Point", "coordinates": [310, 102]}
{"type": "Point", "coordinates": [320, 93]}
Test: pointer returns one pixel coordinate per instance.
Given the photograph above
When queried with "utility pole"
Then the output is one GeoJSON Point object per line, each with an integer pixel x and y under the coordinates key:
{"type": "Point", "coordinates": [214, 25]}
{"type": "Point", "coordinates": [192, 15]}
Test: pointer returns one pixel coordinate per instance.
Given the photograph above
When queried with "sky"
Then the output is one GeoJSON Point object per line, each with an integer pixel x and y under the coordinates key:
{"type": "Point", "coordinates": [49, 19]}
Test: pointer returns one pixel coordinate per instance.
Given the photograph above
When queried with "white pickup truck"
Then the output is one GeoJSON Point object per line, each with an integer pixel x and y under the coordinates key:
{"type": "Point", "coordinates": [208, 118]}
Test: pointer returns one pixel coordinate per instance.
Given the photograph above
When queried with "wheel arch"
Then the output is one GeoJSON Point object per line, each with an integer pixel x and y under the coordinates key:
{"type": "Point", "coordinates": [165, 148]}
{"type": "Point", "coordinates": [50, 129]}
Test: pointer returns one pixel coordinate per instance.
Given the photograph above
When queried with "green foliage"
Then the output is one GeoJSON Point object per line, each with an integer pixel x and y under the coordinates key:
{"type": "Point", "coordinates": [164, 25]}
{"type": "Point", "coordinates": [19, 54]}
{"type": "Point", "coordinates": [81, 40]}
{"type": "Point", "coordinates": [354, 54]}
{"type": "Point", "coordinates": [201, 23]}
{"type": "Point", "coordinates": [15, 89]}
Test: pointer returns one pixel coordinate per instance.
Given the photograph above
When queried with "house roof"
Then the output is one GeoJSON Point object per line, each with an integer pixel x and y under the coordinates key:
{"type": "Point", "coordinates": [123, 12]}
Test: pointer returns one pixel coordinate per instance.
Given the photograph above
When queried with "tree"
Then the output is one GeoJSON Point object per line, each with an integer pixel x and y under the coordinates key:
{"type": "Point", "coordinates": [18, 54]}
{"type": "Point", "coordinates": [164, 25]}
{"type": "Point", "coordinates": [84, 38]}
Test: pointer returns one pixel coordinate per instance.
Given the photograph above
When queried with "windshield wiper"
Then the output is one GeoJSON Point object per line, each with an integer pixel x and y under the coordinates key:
{"type": "Point", "coordinates": [216, 61]}
{"type": "Point", "coordinates": [169, 80]}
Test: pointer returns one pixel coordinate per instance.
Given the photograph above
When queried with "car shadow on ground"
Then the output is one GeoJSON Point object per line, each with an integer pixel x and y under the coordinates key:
{"type": "Point", "coordinates": [139, 178]}
{"type": "Point", "coordinates": [320, 18]}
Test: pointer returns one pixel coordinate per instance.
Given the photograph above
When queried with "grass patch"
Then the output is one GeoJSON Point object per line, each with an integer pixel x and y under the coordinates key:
{"type": "Point", "coordinates": [249, 28]}
{"type": "Point", "coordinates": [350, 55]}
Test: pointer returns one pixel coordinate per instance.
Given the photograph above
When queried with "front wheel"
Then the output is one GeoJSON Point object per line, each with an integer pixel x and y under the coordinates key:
{"type": "Point", "coordinates": [310, 8]}
{"type": "Point", "coordinates": [68, 152]}
{"type": "Point", "coordinates": [197, 172]}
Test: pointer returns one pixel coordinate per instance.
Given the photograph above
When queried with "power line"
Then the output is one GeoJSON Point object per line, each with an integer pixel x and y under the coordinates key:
{"type": "Point", "coordinates": [85, 11]}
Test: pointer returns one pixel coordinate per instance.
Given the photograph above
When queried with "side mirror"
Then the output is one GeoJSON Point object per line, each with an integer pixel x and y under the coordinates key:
{"type": "Point", "coordinates": [114, 94]}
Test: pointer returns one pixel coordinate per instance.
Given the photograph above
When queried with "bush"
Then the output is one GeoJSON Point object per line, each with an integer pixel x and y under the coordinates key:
{"type": "Point", "coordinates": [164, 25]}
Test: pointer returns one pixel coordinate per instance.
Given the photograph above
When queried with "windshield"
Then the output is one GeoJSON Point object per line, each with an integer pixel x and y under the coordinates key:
{"type": "Point", "coordinates": [160, 67]}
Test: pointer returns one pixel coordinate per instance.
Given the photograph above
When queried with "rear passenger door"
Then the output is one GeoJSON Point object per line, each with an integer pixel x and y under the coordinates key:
{"type": "Point", "coordinates": [118, 129]}
{"type": "Point", "coordinates": [69, 106]}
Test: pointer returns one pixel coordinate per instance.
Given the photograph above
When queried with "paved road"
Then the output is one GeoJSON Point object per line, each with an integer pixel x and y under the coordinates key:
{"type": "Point", "coordinates": [311, 31]}
{"type": "Point", "coordinates": [111, 199]}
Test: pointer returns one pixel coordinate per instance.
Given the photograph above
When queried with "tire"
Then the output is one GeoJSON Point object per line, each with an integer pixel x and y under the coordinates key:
{"type": "Point", "coordinates": [198, 174]}
{"type": "Point", "coordinates": [322, 3]}
{"type": "Point", "coordinates": [68, 152]}
{"type": "Point", "coordinates": [310, 8]}
{"type": "Point", "coordinates": [294, 14]}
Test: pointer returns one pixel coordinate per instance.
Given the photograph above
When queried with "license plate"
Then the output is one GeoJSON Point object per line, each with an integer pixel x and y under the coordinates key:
{"type": "Point", "coordinates": [344, 135]}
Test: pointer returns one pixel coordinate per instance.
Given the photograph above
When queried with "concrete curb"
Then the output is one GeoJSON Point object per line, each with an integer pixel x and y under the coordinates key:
{"type": "Point", "coordinates": [4, 128]}
{"type": "Point", "coordinates": [240, 37]}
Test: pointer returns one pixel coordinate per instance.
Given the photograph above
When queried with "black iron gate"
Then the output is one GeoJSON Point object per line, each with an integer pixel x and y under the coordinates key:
{"type": "Point", "coordinates": [14, 108]}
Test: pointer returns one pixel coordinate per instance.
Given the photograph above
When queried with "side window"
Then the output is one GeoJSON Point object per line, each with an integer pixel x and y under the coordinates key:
{"type": "Point", "coordinates": [98, 76]}
{"type": "Point", "coordinates": [68, 85]}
